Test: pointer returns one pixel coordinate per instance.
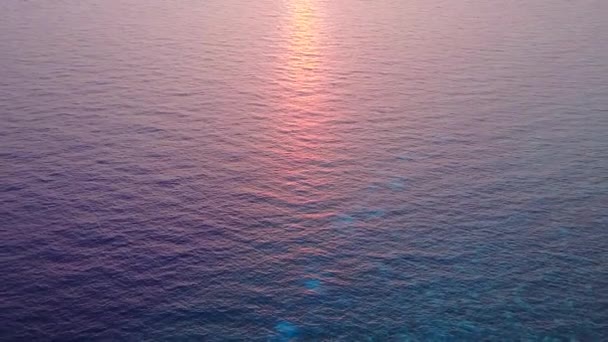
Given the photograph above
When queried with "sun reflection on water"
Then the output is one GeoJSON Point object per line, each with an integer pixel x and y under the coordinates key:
{"type": "Point", "coordinates": [299, 128]}
{"type": "Point", "coordinates": [303, 60]}
{"type": "Point", "coordinates": [301, 71]}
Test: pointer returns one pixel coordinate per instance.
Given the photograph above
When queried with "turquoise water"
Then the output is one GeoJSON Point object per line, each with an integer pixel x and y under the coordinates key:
{"type": "Point", "coordinates": [304, 170]}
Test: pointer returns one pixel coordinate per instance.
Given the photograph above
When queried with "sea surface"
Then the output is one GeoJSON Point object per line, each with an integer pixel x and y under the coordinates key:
{"type": "Point", "coordinates": [304, 170]}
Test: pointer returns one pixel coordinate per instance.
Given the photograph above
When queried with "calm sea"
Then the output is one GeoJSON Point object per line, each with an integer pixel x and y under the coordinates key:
{"type": "Point", "coordinates": [304, 170]}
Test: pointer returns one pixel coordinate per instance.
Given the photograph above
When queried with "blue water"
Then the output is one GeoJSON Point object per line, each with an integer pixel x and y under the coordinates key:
{"type": "Point", "coordinates": [304, 170]}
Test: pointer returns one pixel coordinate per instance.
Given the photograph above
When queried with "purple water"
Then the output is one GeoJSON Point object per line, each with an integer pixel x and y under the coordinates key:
{"type": "Point", "coordinates": [304, 170]}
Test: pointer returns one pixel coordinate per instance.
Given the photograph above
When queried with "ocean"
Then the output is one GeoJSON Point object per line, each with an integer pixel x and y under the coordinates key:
{"type": "Point", "coordinates": [304, 170]}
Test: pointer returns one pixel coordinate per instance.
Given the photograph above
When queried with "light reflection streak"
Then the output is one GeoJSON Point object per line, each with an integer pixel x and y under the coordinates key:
{"type": "Point", "coordinates": [302, 69]}
{"type": "Point", "coordinates": [298, 126]}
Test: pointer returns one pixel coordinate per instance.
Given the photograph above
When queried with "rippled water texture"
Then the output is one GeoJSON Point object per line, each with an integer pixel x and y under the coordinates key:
{"type": "Point", "coordinates": [304, 170]}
